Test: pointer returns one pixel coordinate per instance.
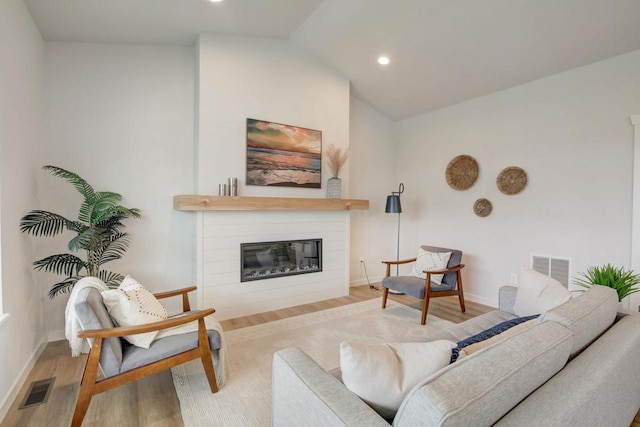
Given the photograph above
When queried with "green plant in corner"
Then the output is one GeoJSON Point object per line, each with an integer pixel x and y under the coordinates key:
{"type": "Point", "coordinates": [621, 280]}
{"type": "Point", "coordinates": [99, 233]}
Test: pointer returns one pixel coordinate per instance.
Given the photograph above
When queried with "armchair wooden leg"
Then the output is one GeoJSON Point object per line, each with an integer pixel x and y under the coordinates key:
{"type": "Point", "coordinates": [425, 309]}
{"type": "Point", "coordinates": [385, 294]}
{"type": "Point", "coordinates": [425, 302]}
{"type": "Point", "coordinates": [205, 356]}
{"type": "Point", "coordinates": [87, 384]}
{"type": "Point", "coordinates": [460, 292]}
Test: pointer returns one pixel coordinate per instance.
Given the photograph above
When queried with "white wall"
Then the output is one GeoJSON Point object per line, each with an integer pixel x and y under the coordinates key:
{"type": "Point", "coordinates": [22, 333]}
{"type": "Point", "coordinates": [572, 135]}
{"type": "Point", "coordinates": [272, 80]}
{"type": "Point", "coordinates": [122, 117]}
{"type": "Point", "coordinates": [373, 233]}
{"type": "Point", "coordinates": [266, 79]}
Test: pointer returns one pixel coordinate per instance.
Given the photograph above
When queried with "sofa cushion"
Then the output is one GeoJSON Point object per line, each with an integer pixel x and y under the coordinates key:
{"type": "Point", "coordinates": [488, 333]}
{"type": "Point", "coordinates": [472, 348]}
{"type": "Point", "coordinates": [478, 391]}
{"type": "Point", "coordinates": [587, 315]}
{"type": "Point", "coordinates": [538, 293]}
{"type": "Point", "coordinates": [383, 374]}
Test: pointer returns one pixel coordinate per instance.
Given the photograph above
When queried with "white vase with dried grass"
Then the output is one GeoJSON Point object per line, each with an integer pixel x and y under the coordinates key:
{"type": "Point", "coordinates": [336, 159]}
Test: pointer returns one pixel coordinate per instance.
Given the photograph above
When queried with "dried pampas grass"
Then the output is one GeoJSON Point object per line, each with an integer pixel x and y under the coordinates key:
{"type": "Point", "coordinates": [336, 159]}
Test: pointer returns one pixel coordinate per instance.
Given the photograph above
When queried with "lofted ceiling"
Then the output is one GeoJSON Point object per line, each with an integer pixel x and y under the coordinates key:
{"type": "Point", "coordinates": [442, 51]}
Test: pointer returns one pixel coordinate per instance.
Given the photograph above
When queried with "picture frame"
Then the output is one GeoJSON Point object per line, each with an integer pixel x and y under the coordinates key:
{"type": "Point", "coordinates": [283, 155]}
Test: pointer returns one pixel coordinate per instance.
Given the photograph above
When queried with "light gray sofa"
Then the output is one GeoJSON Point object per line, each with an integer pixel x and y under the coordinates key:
{"type": "Point", "coordinates": [578, 366]}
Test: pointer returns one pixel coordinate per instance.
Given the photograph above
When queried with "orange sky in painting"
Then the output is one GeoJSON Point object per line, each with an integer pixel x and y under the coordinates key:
{"type": "Point", "coordinates": [283, 137]}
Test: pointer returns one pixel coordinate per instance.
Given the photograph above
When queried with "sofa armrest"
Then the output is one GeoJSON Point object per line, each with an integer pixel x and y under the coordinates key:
{"type": "Point", "coordinates": [304, 394]}
{"type": "Point", "coordinates": [507, 298]}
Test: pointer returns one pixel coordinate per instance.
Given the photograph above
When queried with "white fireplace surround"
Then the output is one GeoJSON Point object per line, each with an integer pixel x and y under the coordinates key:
{"type": "Point", "coordinates": [219, 236]}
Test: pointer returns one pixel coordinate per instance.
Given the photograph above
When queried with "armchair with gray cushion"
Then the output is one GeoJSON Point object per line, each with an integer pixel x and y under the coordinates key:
{"type": "Point", "coordinates": [121, 363]}
{"type": "Point", "coordinates": [424, 288]}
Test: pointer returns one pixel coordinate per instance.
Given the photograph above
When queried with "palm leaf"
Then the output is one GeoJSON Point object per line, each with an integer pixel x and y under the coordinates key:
{"type": "Point", "coordinates": [112, 280]}
{"type": "Point", "coordinates": [115, 249]}
{"type": "Point", "coordinates": [74, 179]}
{"type": "Point", "coordinates": [91, 239]}
{"type": "Point", "coordinates": [43, 223]}
{"type": "Point", "coordinates": [63, 287]}
{"type": "Point", "coordinates": [66, 264]}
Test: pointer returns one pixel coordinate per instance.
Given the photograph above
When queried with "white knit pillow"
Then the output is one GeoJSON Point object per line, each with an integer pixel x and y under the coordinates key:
{"type": "Point", "coordinates": [383, 374]}
{"type": "Point", "coordinates": [132, 305]}
{"type": "Point", "coordinates": [430, 261]}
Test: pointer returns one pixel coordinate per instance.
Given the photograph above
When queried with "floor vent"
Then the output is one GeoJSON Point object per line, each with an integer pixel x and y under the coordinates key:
{"type": "Point", "coordinates": [38, 393]}
{"type": "Point", "coordinates": [557, 267]}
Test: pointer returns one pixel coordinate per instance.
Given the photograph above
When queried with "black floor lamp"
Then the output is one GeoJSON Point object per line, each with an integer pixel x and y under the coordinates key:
{"type": "Point", "coordinates": [394, 206]}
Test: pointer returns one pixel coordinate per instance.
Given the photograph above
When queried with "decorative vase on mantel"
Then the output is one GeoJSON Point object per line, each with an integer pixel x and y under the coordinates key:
{"type": "Point", "coordinates": [334, 188]}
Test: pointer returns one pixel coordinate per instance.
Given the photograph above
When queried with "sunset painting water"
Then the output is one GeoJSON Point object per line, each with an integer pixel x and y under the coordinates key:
{"type": "Point", "coordinates": [283, 155]}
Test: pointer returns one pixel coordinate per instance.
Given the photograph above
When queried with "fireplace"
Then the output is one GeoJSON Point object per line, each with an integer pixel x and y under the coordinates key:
{"type": "Point", "coordinates": [266, 260]}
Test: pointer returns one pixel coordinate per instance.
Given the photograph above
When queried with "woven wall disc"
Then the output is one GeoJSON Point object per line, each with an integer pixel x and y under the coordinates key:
{"type": "Point", "coordinates": [482, 207]}
{"type": "Point", "coordinates": [512, 180]}
{"type": "Point", "coordinates": [462, 172]}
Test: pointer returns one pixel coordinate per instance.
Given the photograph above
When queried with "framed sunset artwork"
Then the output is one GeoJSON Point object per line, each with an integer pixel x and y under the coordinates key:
{"type": "Point", "coordinates": [283, 155]}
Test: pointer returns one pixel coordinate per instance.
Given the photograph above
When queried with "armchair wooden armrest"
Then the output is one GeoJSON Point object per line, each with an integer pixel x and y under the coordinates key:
{"type": "Point", "coordinates": [402, 261]}
{"type": "Point", "coordinates": [149, 327]}
{"type": "Point", "coordinates": [184, 292]}
{"type": "Point", "coordinates": [448, 270]}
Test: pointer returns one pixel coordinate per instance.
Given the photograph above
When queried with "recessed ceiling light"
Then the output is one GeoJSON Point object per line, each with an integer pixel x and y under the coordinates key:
{"type": "Point", "coordinates": [383, 60]}
{"type": "Point", "coordinates": [215, 1]}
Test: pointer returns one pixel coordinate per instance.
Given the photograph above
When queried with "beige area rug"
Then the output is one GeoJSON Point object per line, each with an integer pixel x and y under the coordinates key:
{"type": "Point", "coordinates": [246, 398]}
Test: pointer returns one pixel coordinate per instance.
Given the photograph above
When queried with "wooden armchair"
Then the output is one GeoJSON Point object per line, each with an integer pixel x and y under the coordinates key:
{"type": "Point", "coordinates": [423, 288]}
{"type": "Point", "coordinates": [121, 363]}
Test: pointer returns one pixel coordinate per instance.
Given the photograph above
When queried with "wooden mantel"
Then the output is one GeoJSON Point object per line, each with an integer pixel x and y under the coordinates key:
{"type": "Point", "coordinates": [237, 203]}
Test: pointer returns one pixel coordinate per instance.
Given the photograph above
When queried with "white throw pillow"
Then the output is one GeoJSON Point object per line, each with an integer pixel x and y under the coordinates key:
{"type": "Point", "coordinates": [383, 374]}
{"type": "Point", "coordinates": [132, 305]}
{"type": "Point", "coordinates": [538, 293]}
{"type": "Point", "coordinates": [430, 261]}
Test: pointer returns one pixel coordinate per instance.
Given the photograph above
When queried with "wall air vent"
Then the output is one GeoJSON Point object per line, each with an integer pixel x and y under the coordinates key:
{"type": "Point", "coordinates": [556, 267]}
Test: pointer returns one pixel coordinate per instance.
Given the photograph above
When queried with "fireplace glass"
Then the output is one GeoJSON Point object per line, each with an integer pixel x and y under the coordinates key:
{"type": "Point", "coordinates": [264, 260]}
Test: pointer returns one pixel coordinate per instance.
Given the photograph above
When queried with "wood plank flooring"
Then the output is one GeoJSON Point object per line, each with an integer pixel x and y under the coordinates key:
{"type": "Point", "coordinates": [152, 401]}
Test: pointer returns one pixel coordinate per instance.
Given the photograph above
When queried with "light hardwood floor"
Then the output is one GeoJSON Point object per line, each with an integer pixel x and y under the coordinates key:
{"type": "Point", "coordinates": [152, 401]}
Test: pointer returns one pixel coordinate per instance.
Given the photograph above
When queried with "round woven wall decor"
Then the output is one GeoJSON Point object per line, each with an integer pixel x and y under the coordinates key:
{"type": "Point", "coordinates": [512, 180]}
{"type": "Point", "coordinates": [482, 207]}
{"type": "Point", "coordinates": [462, 172]}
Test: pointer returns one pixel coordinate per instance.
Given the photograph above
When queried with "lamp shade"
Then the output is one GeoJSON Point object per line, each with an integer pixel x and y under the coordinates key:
{"type": "Point", "coordinates": [393, 204]}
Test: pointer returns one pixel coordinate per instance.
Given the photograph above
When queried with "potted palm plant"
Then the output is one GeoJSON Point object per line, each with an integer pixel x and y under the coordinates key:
{"type": "Point", "coordinates": [623, 281]}
{"type": "Point", "coordinates": [99, 233]}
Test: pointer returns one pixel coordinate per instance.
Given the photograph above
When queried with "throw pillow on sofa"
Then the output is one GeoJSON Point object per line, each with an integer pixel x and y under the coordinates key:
{"type": "Point", "coordinates": [538, 293]}
{"type": "Point", "coordinates": [430, 261]}
{"type": "Point", "coordinates": [132, 305]}
{"type": "Point", "coordinates": [383, 374]}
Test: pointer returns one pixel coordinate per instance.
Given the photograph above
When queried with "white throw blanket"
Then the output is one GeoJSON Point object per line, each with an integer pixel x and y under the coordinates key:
{"type": "Point", "coordinates": [72, 324]}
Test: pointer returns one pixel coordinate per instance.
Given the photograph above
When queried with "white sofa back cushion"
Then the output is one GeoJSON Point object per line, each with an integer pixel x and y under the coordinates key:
{"type": "Point", "coordinates": [478, 391]}
{"type": "Point", "coordinates": [587, 315]}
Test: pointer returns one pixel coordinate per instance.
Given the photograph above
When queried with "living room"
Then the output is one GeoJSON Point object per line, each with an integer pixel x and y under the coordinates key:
{"type": "Point", "coordinates": [158, 119]}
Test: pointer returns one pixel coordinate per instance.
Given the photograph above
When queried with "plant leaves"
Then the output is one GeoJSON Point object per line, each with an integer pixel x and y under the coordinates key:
{"type": "Point", "coordinates": [63, 287]}
{"type": "Point", "coordinates": [43, 223]}
{"type": "Point", "coordinates": [66, 264]}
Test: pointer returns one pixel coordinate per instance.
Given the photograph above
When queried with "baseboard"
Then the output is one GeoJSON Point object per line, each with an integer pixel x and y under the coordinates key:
{"type": "Point", "coordinates": [57, 335]}
{"type": "Point", "coordinates": [480, 300]}
{"type": "Point", "coordinates": [360, 282]}
{"type": "Point", "coordinates": [19, 382]}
